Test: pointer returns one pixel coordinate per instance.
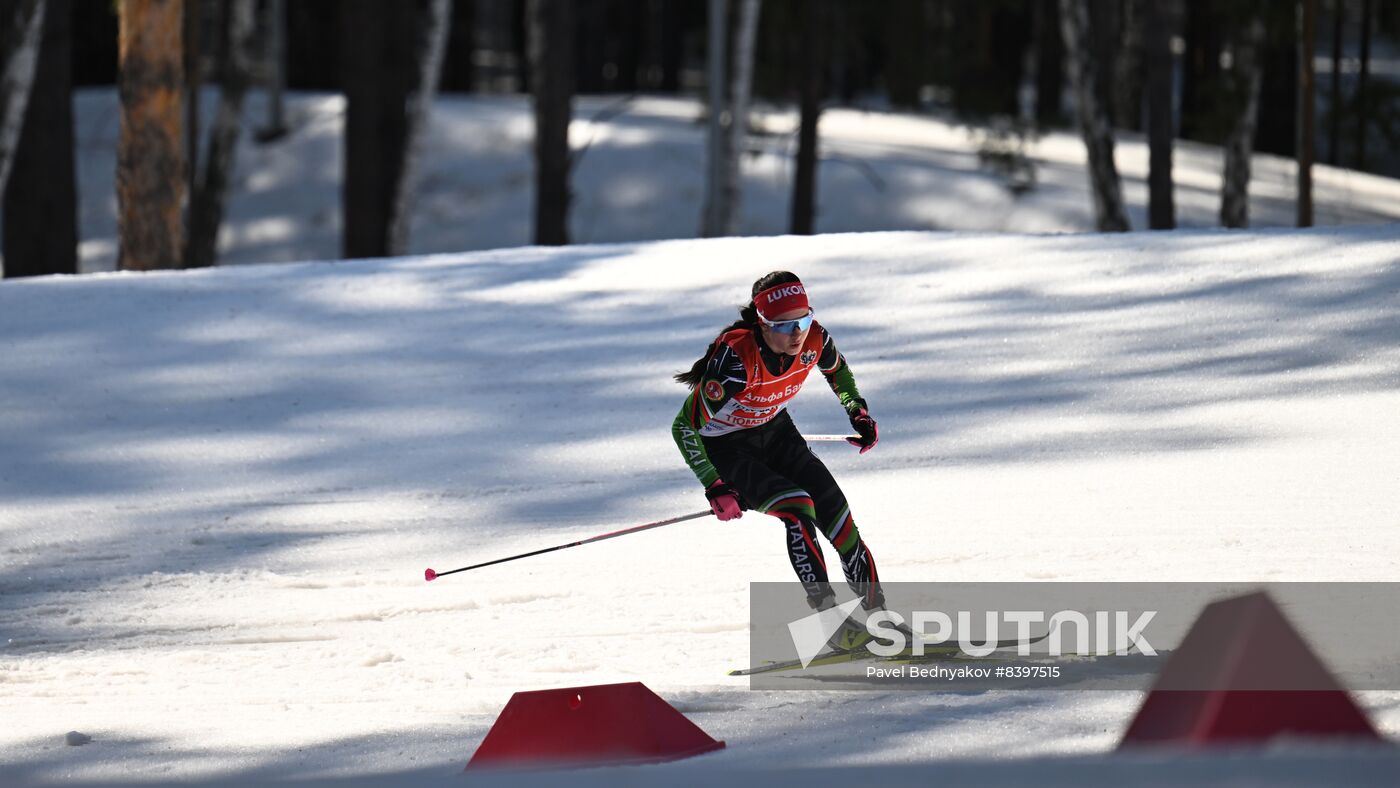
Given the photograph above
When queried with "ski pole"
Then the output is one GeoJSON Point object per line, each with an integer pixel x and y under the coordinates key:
{"type": "Point", "coordinates": [831, 437]}
{"type": "Point", "coordinates": [430, 575]}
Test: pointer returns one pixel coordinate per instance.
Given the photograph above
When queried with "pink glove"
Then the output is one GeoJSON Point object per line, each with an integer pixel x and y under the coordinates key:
{"type": "Point", "coordinates": [724, 502]}
{"type": "Point", "coordinates": [866, 428]}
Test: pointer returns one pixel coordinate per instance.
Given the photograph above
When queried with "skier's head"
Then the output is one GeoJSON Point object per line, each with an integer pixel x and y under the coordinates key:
{"type": "Point", "coordinates": [780, 310]}
{"type": "Point", "coordinates": [788, 310]}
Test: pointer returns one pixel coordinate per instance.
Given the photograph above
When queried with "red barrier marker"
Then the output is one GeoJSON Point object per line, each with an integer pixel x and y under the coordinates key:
{"type": "Point", "coordinates": [606, 724]}
{"type": "Point", "coordinates": [1243, 674]}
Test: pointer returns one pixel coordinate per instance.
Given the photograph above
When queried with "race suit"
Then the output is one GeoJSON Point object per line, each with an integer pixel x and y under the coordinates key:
{"type": "Point", "coordinates": [735, 426]}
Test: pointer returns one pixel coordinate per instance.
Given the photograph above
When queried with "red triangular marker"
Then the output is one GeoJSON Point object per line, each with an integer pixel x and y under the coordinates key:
{"type": "Point", "coordinates": [595, 726]}
{"type": "Point", "coordinates": [1244, 674]}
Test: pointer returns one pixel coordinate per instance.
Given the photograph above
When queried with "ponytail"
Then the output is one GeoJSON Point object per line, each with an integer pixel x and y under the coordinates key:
{"type": "Point", "coordinates": [748, 318]}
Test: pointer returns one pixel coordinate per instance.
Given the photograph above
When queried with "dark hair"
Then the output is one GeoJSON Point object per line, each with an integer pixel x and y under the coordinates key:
{"type": "Point", "coordinates": [748, 316]}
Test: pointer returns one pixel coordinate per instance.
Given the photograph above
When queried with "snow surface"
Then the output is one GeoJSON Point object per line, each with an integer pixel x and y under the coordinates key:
{"type": "Point", "coordinates": [222, 487]}
{"type": "Point", "coordinates": [638, 176]}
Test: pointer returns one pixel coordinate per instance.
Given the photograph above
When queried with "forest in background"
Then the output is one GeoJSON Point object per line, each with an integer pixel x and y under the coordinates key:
{"type": "Point", "coordinates": [1226, 74]}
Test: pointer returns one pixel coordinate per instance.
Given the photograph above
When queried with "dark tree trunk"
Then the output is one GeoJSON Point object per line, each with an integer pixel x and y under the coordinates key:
{"type": "Point", "coordinates": [812, 49]}
{"type": "Point", "coordinates": [315, 61]}
{"type": "Point", "coordinates": [1306, 104]}
{"type": "Point", "coordinates": [233, 73]}
{"type": "Point", "coordinates": [378, 42]}
{"type": "Point", "coordinates": [40, 219]}
{"type": "Point", "coordinates": [1094, 125]}
{"type": "Point", "coordinates": [1200, 73]}
{"type": "Point", "coordinates": [1106, 40]}
{"type": "Point", "coordinates": [1334, 101]}
{"type": "Point", "coordinates": [275, 62]}
{"type": "Point", "coordinates": [1128, 73]}
{"type": "Point", "coordinates": [986, 79]}
{"type": "Point", "coordinates": [194, 80]}
{"type": "Point", "coordinates": [857, 54]}
{"type": "Point", "coordinates": [1156, 29]}
{"type": "Point", "coordinates": [150, 154]}
{"type": "Point", "coordinates": [520, 14]}
{"type": "Point", "coordinates": [905, 44]}
{"type": "Point", "coordinates": [591, 33]}
{"type": "Point", "coordinates": [1277, 128]}
{"type": "Point", "coordinates": [630, 27]}
{"type": "Point", "coordinates": [459, 68]}
{"type": "Point", "coordinates": [552, 59]}
{"type": "Point", "coordinates": [95, 35]}
{"type": "Point", "coordinates": [672, 44]}
{"type": "Point", "coordinates": [1361, 84]}
{"type": "Point", "coordinates": [1050, 70]}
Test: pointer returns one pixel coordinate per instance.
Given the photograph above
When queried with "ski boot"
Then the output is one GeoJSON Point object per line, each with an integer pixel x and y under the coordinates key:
{"type": "Point", "coordinates": [876, 604]}
{"type": "Point", "coordinates": [851, 635]}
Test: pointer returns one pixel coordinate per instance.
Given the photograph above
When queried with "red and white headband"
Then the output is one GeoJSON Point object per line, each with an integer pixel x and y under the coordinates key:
{"type": "Point", "coordinates": [785, 297]}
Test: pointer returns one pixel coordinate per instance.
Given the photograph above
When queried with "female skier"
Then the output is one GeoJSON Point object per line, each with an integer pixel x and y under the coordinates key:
{"type": "Point", "coordinates": [735, 433]}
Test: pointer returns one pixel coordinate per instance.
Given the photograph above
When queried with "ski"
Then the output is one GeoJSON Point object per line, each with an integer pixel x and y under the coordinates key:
{"type": "Point", "coordinates": [943, 650]}
{"type": "Point", "coordinates": [829, 658]}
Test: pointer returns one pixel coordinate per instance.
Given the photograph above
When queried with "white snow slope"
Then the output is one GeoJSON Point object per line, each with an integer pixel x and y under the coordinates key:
{"type": "Point", "coordinates": [221, 489]}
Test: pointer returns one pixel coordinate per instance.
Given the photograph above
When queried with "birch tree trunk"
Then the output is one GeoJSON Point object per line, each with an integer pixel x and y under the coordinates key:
{"type": "Point", "coordinates": [234, 74]}
{"type": "Point", "coordinates": [436, 24]}
{"type": "Point", "coordinates": [739, 114]}
{"type": "Point", "coordinates": [41, 222]}
{"type": "Point", "coordinates": [716, 141]}
{"type": "Point", "coordinates": [1156, 35]}
{"type": "Point", "coordinates": [19, 47]}
{"type": "Point", "coordinates": [1094, 124]}
{"type": "Point", "coordinates": [552, 58]}
{"type": "Point", "coordinates": [1239, 145]}
{"type": "Point", "coordinates": [150, 152]}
